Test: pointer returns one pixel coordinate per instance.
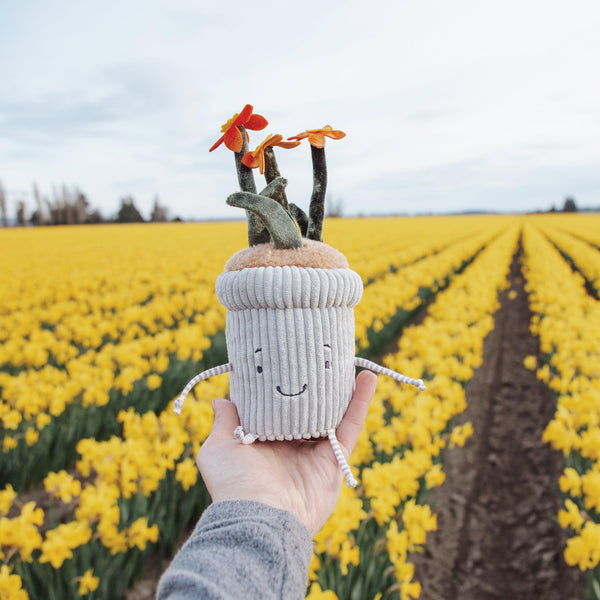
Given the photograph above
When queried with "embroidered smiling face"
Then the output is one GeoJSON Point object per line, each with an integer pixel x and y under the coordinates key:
{"type": "Point", "coordinates": [259, 369]}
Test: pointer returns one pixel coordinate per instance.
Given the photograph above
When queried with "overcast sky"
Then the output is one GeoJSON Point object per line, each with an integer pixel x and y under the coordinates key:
{"type": "Point", "coordinates": [447, 106]}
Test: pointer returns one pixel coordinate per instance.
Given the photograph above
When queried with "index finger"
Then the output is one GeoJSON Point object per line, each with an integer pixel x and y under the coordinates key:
{"type": "Point", "coordinates": [354, 419]}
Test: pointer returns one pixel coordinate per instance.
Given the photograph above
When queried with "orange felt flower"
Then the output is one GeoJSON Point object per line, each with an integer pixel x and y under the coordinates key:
{"type": "Point", "coordinates": [256, 158]}
{"type": "Point", "coordinates": [231, 134]}
{"type": "Point", "coordinates": [316, 137]}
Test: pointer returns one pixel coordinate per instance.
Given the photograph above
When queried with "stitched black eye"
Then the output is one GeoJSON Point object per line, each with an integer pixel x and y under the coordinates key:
{"type": "Point", "coordinates": [259, 369]}
{"type": "Point", "coordinates": [327, 364]}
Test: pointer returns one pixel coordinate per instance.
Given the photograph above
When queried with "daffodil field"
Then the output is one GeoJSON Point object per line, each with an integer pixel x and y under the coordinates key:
{"type": "Point", "coordinates": [102, 326]}
{"type": "Point", "coordinates": [567, 320]}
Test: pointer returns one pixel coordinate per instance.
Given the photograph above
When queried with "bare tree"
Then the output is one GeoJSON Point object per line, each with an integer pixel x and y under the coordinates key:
{"type": "Point", "coordinates": [159, 212]}
{"type": "Point", "coordinates": [39, 214]}
{"type": "Point", "coordinates": [68, 205]}
{"type": "Point", "coordinates": [21, 220]}
{"type": "Point", "coordinates": [81, 206]}
{"type": "Point", "coordinates": [335, 208]}
{"type": "Point", "coordinates": [53, 210]}
{"type": "Point", "coordinates": [3, 206]}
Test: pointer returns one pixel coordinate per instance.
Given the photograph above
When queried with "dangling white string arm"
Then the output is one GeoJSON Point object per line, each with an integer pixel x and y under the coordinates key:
{"type": "Point", "coordinates": [367, 364]}
{"type": "Point", "coordinates": [339, 455]}
{"type": "Point", "coordinates": [200, 377]}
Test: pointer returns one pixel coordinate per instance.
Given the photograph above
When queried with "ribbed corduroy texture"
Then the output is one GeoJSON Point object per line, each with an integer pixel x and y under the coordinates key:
{"type": "Point", "coordinates": [288, 287]}
{"type": "Point", "coordinates": [290, 340]}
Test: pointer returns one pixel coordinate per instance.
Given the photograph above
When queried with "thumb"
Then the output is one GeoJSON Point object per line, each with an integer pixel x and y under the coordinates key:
{"type": "Point", "coordinates": [226, 419]}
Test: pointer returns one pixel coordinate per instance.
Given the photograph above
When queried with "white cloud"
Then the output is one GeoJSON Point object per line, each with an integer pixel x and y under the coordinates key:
{"type": "Point", "coordinates": [456, 105]}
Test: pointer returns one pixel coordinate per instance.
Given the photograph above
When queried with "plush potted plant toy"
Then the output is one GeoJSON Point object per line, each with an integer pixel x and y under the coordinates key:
{"type": "Point", "coordinates": [290, 298]}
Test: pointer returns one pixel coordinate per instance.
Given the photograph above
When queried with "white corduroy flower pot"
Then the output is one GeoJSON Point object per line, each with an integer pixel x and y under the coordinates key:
{"type": "Point", "coordinates": [290, 340]}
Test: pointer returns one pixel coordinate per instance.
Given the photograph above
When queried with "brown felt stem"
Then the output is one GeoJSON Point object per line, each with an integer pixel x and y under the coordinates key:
{"type": "Point", "coordinates": [300, 217]}
{"type": "Point", "coordinates": [257, 232]}
{"type": "Point", "coordinates": [274, 188]}
{"type": "Point", "coordinates": [271, 173]}
{"type": "Point", "coordinates": [316, 210]}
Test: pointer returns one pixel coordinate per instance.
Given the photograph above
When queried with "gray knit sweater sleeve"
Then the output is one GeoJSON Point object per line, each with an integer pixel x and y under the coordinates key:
{"type": "Point", "coordinates": [241, 550]}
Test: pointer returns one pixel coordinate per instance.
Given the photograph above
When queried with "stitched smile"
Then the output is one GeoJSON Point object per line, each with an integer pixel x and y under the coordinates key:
{"type": "Point", "coordinates": [296, 394]}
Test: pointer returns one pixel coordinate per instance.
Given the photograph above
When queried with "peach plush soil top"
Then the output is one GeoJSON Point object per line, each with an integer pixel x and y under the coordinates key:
{"type": "Point", "coordinates": [312, 254]}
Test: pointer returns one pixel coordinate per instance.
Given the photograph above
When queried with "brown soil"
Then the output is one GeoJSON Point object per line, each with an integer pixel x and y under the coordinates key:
{"type": "Point", "coordinates": [497, 534]}
{"type": "Point", "coordinates": [143, 590]}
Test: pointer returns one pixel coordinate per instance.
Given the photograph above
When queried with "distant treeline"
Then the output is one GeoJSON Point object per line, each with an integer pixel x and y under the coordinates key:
{"type": "Point", "coordinates": [70, 206]}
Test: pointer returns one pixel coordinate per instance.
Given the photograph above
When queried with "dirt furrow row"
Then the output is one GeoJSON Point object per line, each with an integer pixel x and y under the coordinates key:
{"type": "Point", "coordinates": [497, 534]}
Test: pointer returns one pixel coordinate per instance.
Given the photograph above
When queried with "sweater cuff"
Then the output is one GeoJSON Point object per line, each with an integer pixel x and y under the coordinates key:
{"type": "Point", "coordinates": [265, 549]}
{"type": "Point", "coordinates": [293, 532]}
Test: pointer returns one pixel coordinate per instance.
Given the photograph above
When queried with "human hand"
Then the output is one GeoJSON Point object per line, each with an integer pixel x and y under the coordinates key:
{"type": "Point", "coordinates": [299, 476]}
